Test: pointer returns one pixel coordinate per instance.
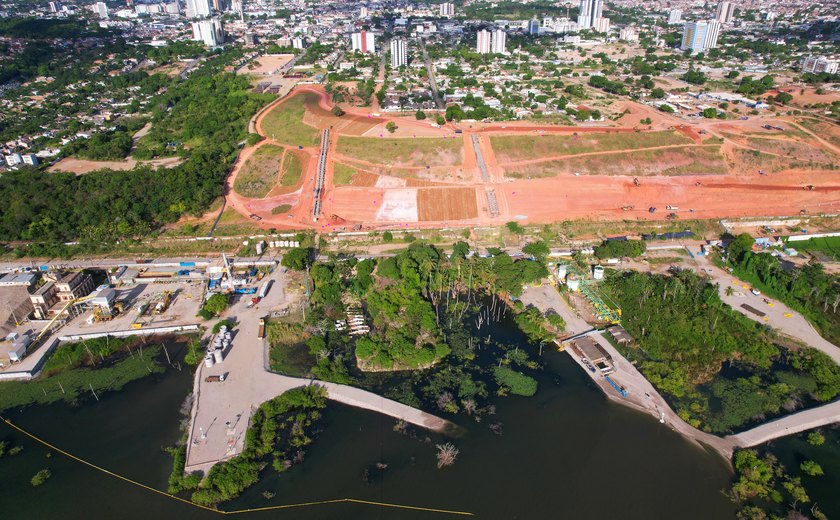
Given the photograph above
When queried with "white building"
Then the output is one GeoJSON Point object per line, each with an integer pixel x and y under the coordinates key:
{"type": "Point", "coordinates": [674, 16]}
{"type": "Point", "coordinates": [482, 43]}
{"type": "Point", "coordinates": [363, 12]}
{"type": "Point", "coordinates": [55, 7]}
{"type": "Point", "coordinates": [602, 25]}
{"type": "Point", "coordinates": [446, 10]}
{"type": "Point", "coordinates": [628, 34]}
{"type": "Point", "coordinates": [199, 8]}
{"type": "Point", "coordinates": [298, 42]}
{"type": "Point", "coordinates": [399, 57]}
{"type": "Point", "coordinates": [590, 13]}
{"type": "Point", "coordinates": [699, 36]}
{"type": "Point", "coordinates": [15, 159]}
{"type": "Point", "coordinates": [533, 26]}
{"type": "Point", "coordinates": [363, 42]}
{"type": "Point", "coordinates": [498, 41]}
{"type": "Point", "coordinates": [210, 32]}
{"type": "Point", "coordinates": [564, 26]}
{"type": "Point", "coordinates": [725, 11]}
{"type": "Point", "coordinates": [101, 9]}
{"type": "Point", "coordinates": [819, 64]}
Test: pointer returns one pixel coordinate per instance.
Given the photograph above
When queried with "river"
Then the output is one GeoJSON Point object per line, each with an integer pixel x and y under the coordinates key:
{"type": "Point", "coordinates": [567, 452]}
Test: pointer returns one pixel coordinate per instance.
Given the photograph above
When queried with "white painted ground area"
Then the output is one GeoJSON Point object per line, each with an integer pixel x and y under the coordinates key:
{"type": "Point", "coordinates": [398, 206]}
{"type": "Point", "coordinates": [386, 181]}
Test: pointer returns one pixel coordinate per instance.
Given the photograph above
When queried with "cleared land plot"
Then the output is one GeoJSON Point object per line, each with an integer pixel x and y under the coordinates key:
{"type": "Point", "coordinates": [343, 174]}
{"type": "Point", "coordinates": [423, 152]}
{"type": "Point", "coordinates": [750, 161]}
{"type": "Point", "coordinates": [267, 64]}
{"type": "Point", "coordinates": [511, 148]}
{"type": "Point", "coordinates": [259, 173]}
{"type": "Point", "coordinates": [284, 123]}
{"type": "Point", "coordinates": [438, 204]}
{"type": "Point", "coordinates": [830, 246]}
{"type": "Point", "coordinates": [794, 149]}
{"type": "Point", "coordinates": [292, 169]}
{"type": "Point", "coordinates": [824, 129]}
{"type": "Point", "coordinates": [706, 160]}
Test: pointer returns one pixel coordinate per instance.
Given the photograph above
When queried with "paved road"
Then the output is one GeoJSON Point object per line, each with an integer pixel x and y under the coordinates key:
{"type": "Point", "coordinates": [798, 422]}
{"type": "Point", "coordinates": [546, 298]}
{"type": "Point", "coordinates": [431, 73]}
{"type": "Point", "coordinates": [778, 315]}
{"type": "Point", "coordinates": [221, 411]}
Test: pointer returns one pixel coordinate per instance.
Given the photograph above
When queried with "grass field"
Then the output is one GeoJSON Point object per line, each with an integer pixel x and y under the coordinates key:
{"type": "Point", "coordinates": [830, 246]}
{"type": "Point", "coordinates": [797, 150]}
{"type": "Point", "coordinates": [292, 169]}
{"type": "Point", "coordinates": [284, 123]}
{"type": "Point", "coordinates": [824, 129]}
{"type": "Point", "coordinates": [283, 208]}
{"type": "Point", "coordinates": [691, 160]}
{"type": "Point", "coordinates": [343, 174]}
{"type": "Point", "coordinates": [259, 173]}
{"type": "Point", "coordinates": [509, 148]}
{"type": "Point", "coordinates": [406, 152]}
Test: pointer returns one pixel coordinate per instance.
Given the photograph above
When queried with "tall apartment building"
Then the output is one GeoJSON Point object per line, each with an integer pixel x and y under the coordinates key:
{"type": "Point", "coordinates": [211, 32]}
{"type": "Point", "coordinates": [674, 16]}
{"type": "Point", "coordinates": [533, 26]}
{"type": "Point", "coordinates": [218, 6]}
{"type": "Point", "coordinates": [55, 6]}
{"type": "Point", "coordinates": [199, 8]}
{"type": "Point", "coordinates": [298, 42]}
{"type": "Point", "coordinates": [101, 9]}
{"type": "Point", "coordinates": [363, 41]}
{"type": "Point", "coordinates": [446, 9]}
{"type": "Point", "coordinates": [628, 34]}
{"type": "Point", "coordinates": [482, 44]}
{"type": "Point", "coordinates": [590, 13]}
{"type": "Point", "coordinates": [399, 57]}
{"type": "Point", "coordinates": [363, 12]}
{"type": "Point", "coordinates": [699, 36]}
{"type": "Point", "coordinates": [498, 41]}
{"type": "Point", "coordinates": [725, 11]}
{"type": "Point", "coordinates": [819, 64]}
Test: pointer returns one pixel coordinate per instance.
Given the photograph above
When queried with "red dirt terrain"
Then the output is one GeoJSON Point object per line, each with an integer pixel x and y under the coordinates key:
{"type": "Point", "coordinates": [376, 201]}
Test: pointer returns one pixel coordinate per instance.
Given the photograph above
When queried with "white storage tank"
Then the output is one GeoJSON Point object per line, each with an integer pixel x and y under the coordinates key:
{"type": "Point", "coordinates": [562, 270]}
{"type": "Point", "coordinates": [573, 283]}
{"type": "Point", "coordinates": [598, 272]}
{"type": "Point", "coordinates": [209, 361]}
{"type": "Point", "coordinates": [217, 356]}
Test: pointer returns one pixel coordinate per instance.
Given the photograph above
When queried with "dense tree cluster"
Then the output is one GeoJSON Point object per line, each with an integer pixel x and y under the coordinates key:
{"type": "Point", "coordinates": [687, 335]}
{"type": "Point", "coordinates": [208, 111]}
{"type": "Point", "coordinates": [279, 430]}
{"type": "Point", "coordinates": [620, 249]}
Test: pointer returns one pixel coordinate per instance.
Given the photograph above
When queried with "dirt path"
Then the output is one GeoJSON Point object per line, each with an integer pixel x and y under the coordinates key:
{"type": "Point", "coordinates": [606, 152]}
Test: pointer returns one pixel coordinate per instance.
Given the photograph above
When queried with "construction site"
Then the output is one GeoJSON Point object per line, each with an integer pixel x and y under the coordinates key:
{"type": "Point", "coordinates": [52, 304]}
{"type": "Point", "coordinates": [355, 174]}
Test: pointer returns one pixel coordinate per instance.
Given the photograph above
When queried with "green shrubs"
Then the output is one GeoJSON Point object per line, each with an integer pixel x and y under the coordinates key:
{"type": "Point", "coordinates": [278, 428]}
{"type": "Point", "coordinates": [515, 382]}
{"type": "Point", "coordinates": [41, 477]}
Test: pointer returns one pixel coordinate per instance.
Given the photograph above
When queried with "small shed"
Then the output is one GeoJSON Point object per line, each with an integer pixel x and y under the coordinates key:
{"type": "Point", "coordinates": [621, 336]}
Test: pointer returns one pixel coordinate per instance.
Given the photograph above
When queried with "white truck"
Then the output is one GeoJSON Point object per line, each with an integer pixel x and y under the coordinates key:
{"type": "Point", "coordinates": [671, 208]}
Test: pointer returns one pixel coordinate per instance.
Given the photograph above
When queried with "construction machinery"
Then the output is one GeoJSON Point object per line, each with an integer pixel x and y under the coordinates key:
{"type": "Point", "coordinates": [809, 187]}
{"type": "Point", "coordinates": [636, 182]}
{"type": "Point", "coordinates": [627, 208]}
{"type": "Point", "coordinates": [163, 304]}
